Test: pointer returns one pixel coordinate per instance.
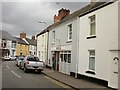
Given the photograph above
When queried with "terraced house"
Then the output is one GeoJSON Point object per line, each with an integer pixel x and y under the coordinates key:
{"type": "Point", "coordinates": [21, 47]}
{"type": "Point", "coordinates": [85, 43]}
{"type": "Point", "coordinates": [7, 44]}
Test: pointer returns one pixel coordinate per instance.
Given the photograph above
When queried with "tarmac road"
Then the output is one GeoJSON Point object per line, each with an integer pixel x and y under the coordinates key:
{"type": "Point", "coordinates": [13, 77]}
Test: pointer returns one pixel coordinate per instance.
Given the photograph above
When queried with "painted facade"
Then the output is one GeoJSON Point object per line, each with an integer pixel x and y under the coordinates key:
{"type": "Point", "coordinates": [90, 47]}
{"type": "Point", "coordinates": [60, 52]}
{"type": "Point", "coordinates": [22, 49]}
{"type": "Point", "coordinates": [98, 52]}
{"type": "Point", "coordinates": [42, 40]}
{"type": "Point", "coordinates": [8, 44]}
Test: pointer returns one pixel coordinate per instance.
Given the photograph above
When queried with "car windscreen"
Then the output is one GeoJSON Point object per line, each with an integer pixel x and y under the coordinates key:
{"type": "Point", "coordinates": [31, 58]}
{"type": "Point", "coordinates": [21, 58]}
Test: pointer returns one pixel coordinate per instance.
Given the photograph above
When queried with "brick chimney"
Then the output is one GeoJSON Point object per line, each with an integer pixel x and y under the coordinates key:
{"type": "Point", "coordinates": [93, 2]}
{"type": "Point", "coordinates": [22, 35]}
{"type": "Point", "coordinates": [61, 14]}
{"type": "Point", "coordinates": [33, 37]}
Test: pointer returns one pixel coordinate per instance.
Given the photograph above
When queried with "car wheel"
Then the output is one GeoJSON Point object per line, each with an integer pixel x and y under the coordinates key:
{"type": "Point", "coordinates": [39, 71]}
{"type": "Point", "coordinates": [20, 66]}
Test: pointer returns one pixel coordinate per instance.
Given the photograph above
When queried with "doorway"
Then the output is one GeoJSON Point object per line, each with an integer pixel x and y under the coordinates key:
{"type": "Point", "coordinates": [114, 60]}
{"type": "Point", "coordinates": [55, 60]}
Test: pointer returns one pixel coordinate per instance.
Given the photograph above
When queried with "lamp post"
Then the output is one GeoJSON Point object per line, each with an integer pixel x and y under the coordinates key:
{"type": "Point", "coordinates": [43, 22]}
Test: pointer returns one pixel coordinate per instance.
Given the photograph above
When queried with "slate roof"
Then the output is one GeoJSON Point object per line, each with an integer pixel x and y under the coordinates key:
{"type": "Point", "coordinates": [81, 12]}
{"type": "Point", "coordinates": [31, 41]}
{"type": "Point", "coordinates": [20, 41]}
{"type": "Point", "coordinates": [6, 36]}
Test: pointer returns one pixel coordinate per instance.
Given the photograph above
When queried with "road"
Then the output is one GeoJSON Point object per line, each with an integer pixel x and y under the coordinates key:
{"type": "Point", "coordinates": [13, 77]}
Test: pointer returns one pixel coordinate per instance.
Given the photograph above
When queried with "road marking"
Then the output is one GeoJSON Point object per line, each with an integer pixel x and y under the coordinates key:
{"type": "Point", "coordinates": [59, 83]}
{"type": "Point", "coordinates": [7, 66]}
{"type": "Point", "coordinates": [16, 74]}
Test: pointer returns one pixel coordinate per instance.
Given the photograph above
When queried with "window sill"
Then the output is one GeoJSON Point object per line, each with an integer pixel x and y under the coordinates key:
{"type": "Point", "coordinates": [69, 41]}
{"type": "Point", "coordinates": [89, 37]}
{"type": "Point", "coordinates": [53, 44]}
{"type": "Point", "coordinates": [90, 72]}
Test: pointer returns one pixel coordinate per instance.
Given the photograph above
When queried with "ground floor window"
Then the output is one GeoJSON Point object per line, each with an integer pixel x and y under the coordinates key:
{"type": "Point", "coordinates": [92, 60]}
{"type": "Point", "coordinates": [65, 56]}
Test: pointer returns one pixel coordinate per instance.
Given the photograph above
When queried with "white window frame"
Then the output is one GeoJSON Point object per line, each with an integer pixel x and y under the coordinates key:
{"type": "Point", "coordinates": [63, 53]}
{"type": "Point", "coordinates": [91, 56]}
{"type": "Point", "coordinates": [69, 27]}
{"type": "Point", "coordinates": [91, 23]}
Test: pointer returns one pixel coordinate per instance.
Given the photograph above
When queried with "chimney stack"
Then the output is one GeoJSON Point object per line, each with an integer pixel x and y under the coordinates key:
{"type": "Point", "coordinates": [92, 1]}
{"type": "Point", "coordinates": [33, 37]}
{"type": "Point", "coordinates": [61, 14]}
{"type": "Point", "coordinates": [22, 35]}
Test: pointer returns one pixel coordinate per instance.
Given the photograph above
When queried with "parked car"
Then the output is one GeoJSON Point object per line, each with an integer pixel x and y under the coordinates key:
{"type": "Point", "coordinates": [7, 58]}
{"type": "Point", "coordinates": [32, 63]}
{"type": "Point", "coordinates": [18, 60]}
{"type": "Point", "coordinates": [12, 58]}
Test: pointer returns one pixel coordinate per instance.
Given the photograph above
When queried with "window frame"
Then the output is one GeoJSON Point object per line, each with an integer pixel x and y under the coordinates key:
{"type": "Point", "coordinates": [91, 23]}
{"type": "Point", "coordinates": [91, 56]}
{"type": "Point", "coordinates": [69, 30]}
{"type": "Point", "coordinates": [63, 53]}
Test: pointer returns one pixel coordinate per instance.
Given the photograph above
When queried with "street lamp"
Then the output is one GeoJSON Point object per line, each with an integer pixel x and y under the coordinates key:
{"type": "Point", "coordinates": [43, 22]}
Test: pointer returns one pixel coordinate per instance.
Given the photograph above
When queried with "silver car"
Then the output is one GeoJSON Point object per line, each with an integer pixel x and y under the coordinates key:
{"type": "Point", "coordinates": [31, 63]}
{"type": "Point", "coordinates": [18, 60]}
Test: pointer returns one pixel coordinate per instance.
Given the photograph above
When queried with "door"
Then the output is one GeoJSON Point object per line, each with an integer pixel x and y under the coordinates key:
{"type": "Point", "coordinates": [114, 58]}
{"type": "Point", "coordinates": [57, 56]}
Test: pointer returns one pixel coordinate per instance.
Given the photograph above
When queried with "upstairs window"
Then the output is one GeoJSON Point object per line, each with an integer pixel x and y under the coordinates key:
{"type": "Point", "coordinates": [70, 32]}
{"type": "Point", "coordinates": [4, 44]}
{"type": "Point", "coordinates": [53, 35]}
{"type": "Point", "coordinates": [92, 25]}
{"type": "Point", "coordinates": [42, 40]}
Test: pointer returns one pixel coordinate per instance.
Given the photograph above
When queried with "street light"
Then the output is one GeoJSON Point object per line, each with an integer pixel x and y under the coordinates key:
{"type": "Point", "coordinates": [43, 22]}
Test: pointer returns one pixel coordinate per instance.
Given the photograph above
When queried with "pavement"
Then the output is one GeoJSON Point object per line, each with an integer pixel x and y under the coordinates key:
{"type": "Point", "coordinates": [71, 81]}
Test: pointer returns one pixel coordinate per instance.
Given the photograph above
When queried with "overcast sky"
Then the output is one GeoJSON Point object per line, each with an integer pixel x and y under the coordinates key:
{"type": "Point", "coordinates": [24, 16]}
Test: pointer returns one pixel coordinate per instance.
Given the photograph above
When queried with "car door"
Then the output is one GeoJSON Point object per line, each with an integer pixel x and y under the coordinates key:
{"type": "Point", "coordinates": [22, 62]}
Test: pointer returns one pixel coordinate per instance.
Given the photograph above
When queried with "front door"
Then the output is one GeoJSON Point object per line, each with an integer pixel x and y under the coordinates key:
{"type": "Point", "coordinates": [57, 60]}
{"type": "Point", "coordinates": [114, 57]}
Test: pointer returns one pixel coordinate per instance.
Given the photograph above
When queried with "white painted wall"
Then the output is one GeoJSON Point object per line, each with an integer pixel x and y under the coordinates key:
{"type": "Point", "coordinates": [61, 39]}
{"type": "Point", "coordinates": [42, 46]}
{"type": "Point", "coordinates": [32, 48]}
{"type": "Point", "coordinates": [106, 39]}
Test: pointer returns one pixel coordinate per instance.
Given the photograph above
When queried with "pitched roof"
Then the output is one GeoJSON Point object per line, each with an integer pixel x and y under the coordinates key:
{"type": "Point", "coordinates": [31, 41]}
{"type": "Point", "coordinates": [19, 40]}
{"type": "Point", "coordinates": [6, 36]}
{"type": "Point", "coordinates": [83, 11]}
{"type": "Point", "coordinates": [41, 32]}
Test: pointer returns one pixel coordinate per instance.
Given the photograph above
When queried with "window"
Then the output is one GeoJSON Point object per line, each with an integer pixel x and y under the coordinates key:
{"type": "Point", "coordinates": [65, 56]}
{"type": "Point", "coordinates": [53, 34]}
{"type": "Point", "coordinates": [69, 58]}
{"type": "Point", "coordinates": [42, 40]}
{"type": "Point", "coordinates": [13, 44]}
{"type": "Point", "coordinates": [70, 32]}
{"type": "Point", "coordinates": [61, 57]}
{"type": "Point", "coordinates": [92, 25]}
{"type": "Point", "coordinates": [92, 60]}
{"type": "Point", "coordinates": [39, 53]}
{"type": "Point", "coordinates": [4, 44]}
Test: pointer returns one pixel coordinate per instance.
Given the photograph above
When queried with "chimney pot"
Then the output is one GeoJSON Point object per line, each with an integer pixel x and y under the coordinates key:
{"type": "Point", "coordinates": [22, 35]}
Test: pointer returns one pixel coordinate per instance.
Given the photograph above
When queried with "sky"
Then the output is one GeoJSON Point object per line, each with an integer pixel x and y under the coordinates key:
{"type": "Point", "coordinates": [24, 16]}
